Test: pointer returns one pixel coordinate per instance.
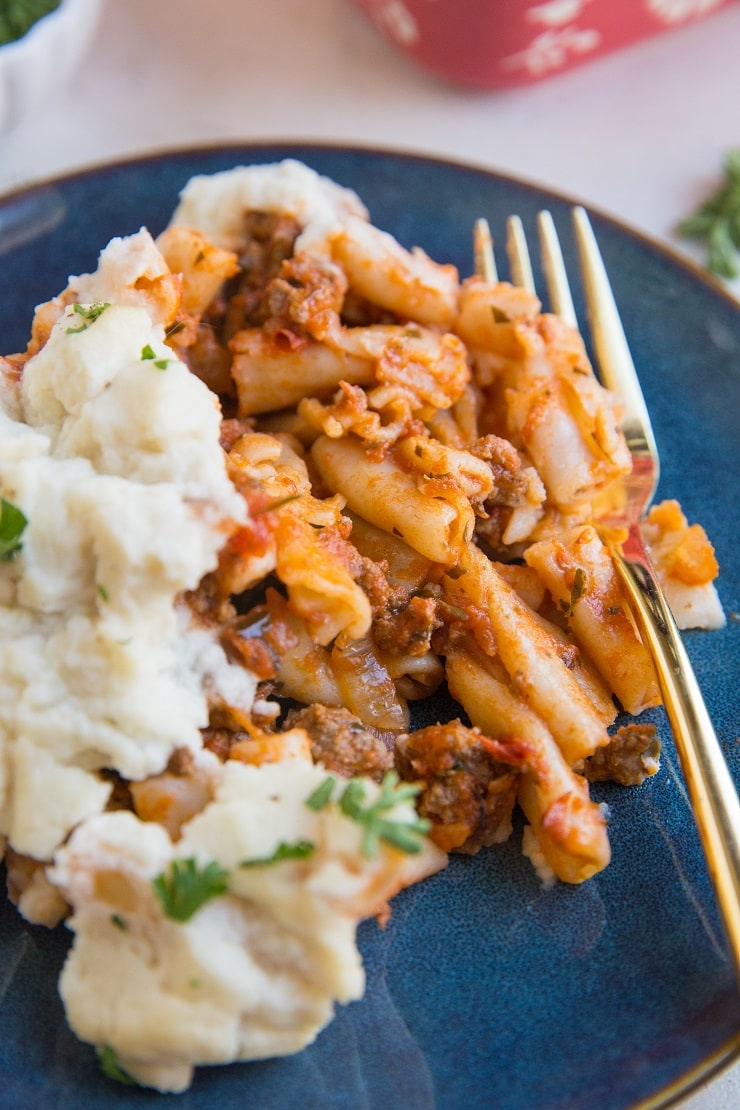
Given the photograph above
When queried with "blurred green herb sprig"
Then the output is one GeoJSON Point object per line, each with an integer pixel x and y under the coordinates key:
{"type": "Point", "coordinates": [717, 222]}
{"type": "Point", "coordinates": [16, 16]}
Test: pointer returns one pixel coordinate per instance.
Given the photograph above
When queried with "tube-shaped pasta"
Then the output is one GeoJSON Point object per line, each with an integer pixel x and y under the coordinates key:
{"type": "Point", "coordinates": [597, 411]}
{"type": "Point", "coordinates": [429, 456]}
{"type": "Point", "coordinates": [388, 496]}
{"type": "Point", "coordinates": [539, 417]}
{"type": "Point", "coordinates": [578, 572]}
{"type": "Point", "coordinates": [406, 567]}
{"type": "Point", "coordinates": [350, 674]}
{"type": "Point", "coordinates": [686, 565]}
{"type": "Point", "coordinates": [366, 687]}
{"type": "Point", "coordinates": [204, 266]}
{"type": "Point", "coordinates": [320, 586]}
{"type": "Point", "coordinates": [269, 377]}
{"type": "Point", "coordinates": [531, 657]}
{"type": "Point", "coordinates": [272, 462]}
{"type": "Point", "coordinates": [488, 313]}
{"type": "Point", "coordinates": [569, 827]}
{"type": "Point", "coordinates": [304, 668]}
{"type": "Point", "coordinates": [407, 282]}
{"type": "Point", "coordinates": [415, 676]}
{"type": "Point", "coordinates": [531, 589]}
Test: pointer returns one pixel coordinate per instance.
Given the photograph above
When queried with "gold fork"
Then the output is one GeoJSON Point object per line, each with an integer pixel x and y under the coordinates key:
{"type": "Point", "coordinates": [712, 792]}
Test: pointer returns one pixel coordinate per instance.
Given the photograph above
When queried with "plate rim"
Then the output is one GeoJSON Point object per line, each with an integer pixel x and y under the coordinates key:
{"type": "Point", "coordinates": [562, 196]}
{"type": "Point", "coordinates": [691, 1082]}
{"type": "Point", "coordinates": [721, 1059]}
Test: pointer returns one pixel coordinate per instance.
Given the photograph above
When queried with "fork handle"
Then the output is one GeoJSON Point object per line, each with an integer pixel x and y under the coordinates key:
{"type": "Point", "coordinates": [711, 789]}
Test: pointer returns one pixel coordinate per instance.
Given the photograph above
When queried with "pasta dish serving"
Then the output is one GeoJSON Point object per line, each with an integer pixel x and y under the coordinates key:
{"type": "Point", "coordinates": [268, 483]}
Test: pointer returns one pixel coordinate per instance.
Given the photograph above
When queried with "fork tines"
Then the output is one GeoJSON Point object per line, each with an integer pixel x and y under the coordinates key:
{"type": "Point", "coordinates": [616, 368]}
{"type": "Point", "coordinates": [711, 789]}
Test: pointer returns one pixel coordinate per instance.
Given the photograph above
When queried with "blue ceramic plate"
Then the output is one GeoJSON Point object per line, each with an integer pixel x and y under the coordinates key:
{"type": "Point", "coordinates": [484, 989]}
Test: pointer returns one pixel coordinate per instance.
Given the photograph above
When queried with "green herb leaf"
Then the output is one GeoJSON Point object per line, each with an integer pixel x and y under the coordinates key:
{"type": "Point", "coordinates": [577, 591]}
{"type": "Point", "coordinates": [109, 1066]}
{"type": "Point", "coordinates": [407, 836]}
{"type": "Point", "coordinates": [453, 611]}
{"type": "Point", "coordinates": [89, 314]}
{"type": "Point", "coordinates": [299, 849]}
{"type": "Point", "coordinates": [186, 887]}
{"type": "Point", "coordinates": [119, 922]}
{"type": "Point", "coordinates": [18, 16]}
{"type": "Point", "coordinates": [352, 798]}
{"type": "Point", "coordinates": [322, 794]}
{"type": "Point", "coordinates": [373, 816]}
{"type": "Point", "coordinates": [717, 222]}
{"type": "Point", "coordinates": [12, 526]}
{"type": "Point", "coordinates": [148, 352]}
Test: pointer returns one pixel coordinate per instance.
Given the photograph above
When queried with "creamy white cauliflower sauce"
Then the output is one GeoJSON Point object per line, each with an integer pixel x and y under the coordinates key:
{"type": "Point", "coordinates": [115, 462]}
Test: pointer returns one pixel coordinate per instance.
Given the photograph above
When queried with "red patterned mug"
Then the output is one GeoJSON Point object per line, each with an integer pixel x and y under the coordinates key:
{"type": "Point", "coordinates": [491, 45]}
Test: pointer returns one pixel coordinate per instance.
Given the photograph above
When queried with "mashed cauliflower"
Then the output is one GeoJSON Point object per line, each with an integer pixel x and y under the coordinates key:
{"type": "Point", "coordinates": [110, 449]}
{"type": "Point", "coordinates": [215, 203]}
{"type": "Point", "coordinates": [114, 479]}
{"type": "Point", "coordinates": [254, 972]}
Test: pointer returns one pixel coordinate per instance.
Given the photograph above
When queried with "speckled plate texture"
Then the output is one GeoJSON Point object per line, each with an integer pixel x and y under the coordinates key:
{"type": "Point", "coordinates": [484, 990]}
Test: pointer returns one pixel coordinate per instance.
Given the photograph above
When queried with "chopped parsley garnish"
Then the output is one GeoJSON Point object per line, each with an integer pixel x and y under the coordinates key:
{"type": "Point", "coordinates": [453, 612]}
{"type": "Point", "coordinates": [186, 887]}
{"type": "Point", "coordinates": [322, 794]}
{"type": "Point", "coordinates": [12, 526]}
{"type": "Point", "coordinates": [119, 922]}
{"type": "Point", "coordinates": [102, 592]}
{"type": "Point", "coordinates": [18, 16]}
{"type": "Point", "coordinates": [717, 222]}
{"type": "Point", "coordinates": [377, 825]}
{"type": "Point", "coordinates": [89, 314]}
{"type": "Point", "coordinates": [298, 849]}
{"type": "Point", "coordinates": [577, 591]}
{"type": "Point", "coordinates": [109, 1066]}
{"type": "Point", "coordinates": [148, 352]}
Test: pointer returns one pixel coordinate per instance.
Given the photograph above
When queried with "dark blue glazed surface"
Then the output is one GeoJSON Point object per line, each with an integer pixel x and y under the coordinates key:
{"type": "Point", "coordinates": [484, 990]}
